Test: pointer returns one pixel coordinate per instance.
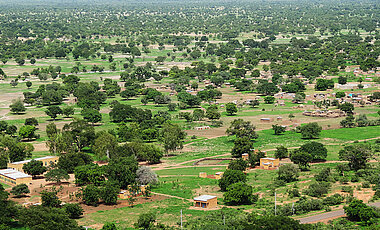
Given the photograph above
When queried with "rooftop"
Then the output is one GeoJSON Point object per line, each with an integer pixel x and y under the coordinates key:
{"type": "Point", "coordinates": [204, 198]}
{"type": "Point", "coordinates": [269, 158]}
{"type": "Point", "coordinates": [13, 174]}
{"type": "Point", "coordinates": [37, 159]}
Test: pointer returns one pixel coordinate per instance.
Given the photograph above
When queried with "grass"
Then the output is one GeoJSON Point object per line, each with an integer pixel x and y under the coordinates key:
{"type": "Point", "coordinates": [5, 186]}
{"type": "Point", "coordinates": [191, 171]}
{"type": "Point", "coordinates": [182, 186]}
{"type": "Point", "coordinates": [167, 211]}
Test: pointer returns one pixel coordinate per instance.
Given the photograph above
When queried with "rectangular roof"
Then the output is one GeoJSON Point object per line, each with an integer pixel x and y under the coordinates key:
{"type": "Point", "coordinates": [204, 198]}
{"type": "Point", "coordinates": [37, 159]}
{"type": "Point", "coordinates": [269, 158]}
{"type": "Point", "coordinates": [13, 174]}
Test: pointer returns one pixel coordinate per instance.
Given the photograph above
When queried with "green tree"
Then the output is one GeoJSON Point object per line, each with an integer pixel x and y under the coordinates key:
{"type": "Point", "coordinates": [358, 211]}
{"type": "Point", "coordinates": [342, 80]}
{"type": "Point", "coordinates": [29, 84]}
{"type": "Point", "coordinates": [31, 121]}
{"type": "Point", "coordinates": [146, 220]}
{"type": "Point", "coordinates": [17, 107]}
{"type": "Point", "coordinates": [324, 84]}
{"type": "Point", "coordinates": [269, 99]}
{"type": "Point", "coordinates": [91, 115]}
{"type": "Point", "coordinates": [340, 94]}
{"type": "Point", "coordinates": [8, 209]}
{"type": "Point", "coordinates": [212, 112]}
{"type": "Point", "coordinates": [108, 193]}
{"type": "Point", "coordinates": [317, 150]}
{"type": "Point", "coordinates": [20, 190]}
{"type": "Point", "coordinates": [278, 129]}
{"type": "Point", "coordinates": [109, 226]}
{"type": "Point", "coordinates": [254, 157]}
{"type": "Point", "coordinates": [310, 130]}
{"type": "Point", "coordinates": [40, 217]}
{"type": "Point", "coordinates": [231, 109]}
{"type": "Point", "coordinates": [90, 195]}
{"type": "Point", "coordinates": [267, 88]}
{"type": "Point", "coordinates": [281, 152]}
{"type": "Point", "coordinates": [241, 146]}
{"type": "Point", "coordinates": [288, 172]}
{"type": "Point", "coordinates": [357, 155]}
{"type": "Point", "coordinates": [171, 136]}
{"type": "Point", "coordinates": [231, 177]}
{"type": "Point", "coordinates": [318, 189]}
{"type": "Point", "coordinates": [347, 107]}
{"type": "Point", "coordinates": [53, 111]}
{"type": "Point", "coordinates": [34, 168]}
{"type": "Point", "coordinates": [242, 129]}
{"type": "Point", "coordinates": [56, 175]}
{"type": "Point", "coordinates": [198, 114]}
{"type": "Point", "coordinates": [105, 144]}
{"type": "Point", "coordinates": [74, 210]}
{"type": "Point", "coordinates": [238, 164]}
{"type": "Point", "coordinates": [238, 194]}
{"type": "Point", "coordinates": [89, 174]}
{"type": "Point", "coordinates": [27, 131]}
{"type": "Point", "coordinates": [50, 199]}
{"type": "Point", "coordinates": [70, 161]}
{"type": "Point", "coordinates": [122, 171]}
{"type": "Point", "coordinates": [68, 111]}
{"type": "Point", "coordinates": [301, 158]}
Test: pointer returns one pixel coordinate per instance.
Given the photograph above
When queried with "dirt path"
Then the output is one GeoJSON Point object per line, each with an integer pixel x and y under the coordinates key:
{"type": "Point", "coordinates": [328, 216]}
{"type": "Point", "coordinates": [180, 165]}
{"type": "Point", "coordinates": [177, 197]}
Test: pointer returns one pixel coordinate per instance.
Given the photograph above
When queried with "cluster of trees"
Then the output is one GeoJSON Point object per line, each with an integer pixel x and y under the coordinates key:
{"type": "Point", "coordinates": [233, 183]}
{"type": "Point", "coordinates": [104, 182]}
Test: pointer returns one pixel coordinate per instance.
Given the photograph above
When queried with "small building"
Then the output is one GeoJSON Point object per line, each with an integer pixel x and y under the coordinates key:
{"type": "Point", "coordinates": [46, 161]}
{"type": "Point", "coordinates": [266, 120]}
{"type": "Point", "coordinates": [203, 175]}
{"type": "Point", "coordinates": [268, 162]}
{"type": "Point", "coordinates": [245, 156]}
{"type": "Point", "coordinates": [206, 201]}
{"type": "Point", "coordinates": [218, 175]}
{"type": "Point", "coordinates": [202, 128]}
{"type": "Point", "coordinates": [279, 118]}
{"type": "Point", "coordinates": [125, 194]}
{"type": "Point", "coordinates": [14, 177]}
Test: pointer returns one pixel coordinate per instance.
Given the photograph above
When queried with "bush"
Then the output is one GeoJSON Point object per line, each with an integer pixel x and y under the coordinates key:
{"type": "Point", "coordinates": [355, 178]}
{"type": "Point", "coordinates": [324, 175]}
{"type": "Point", "coordinates": [344, 180]}
{"type": "Point", "coordinates": [74, 210]}
{"type": "Point", "coordinates": [288, 172]}
{"type": "Point", "coordinates": [294, 193]}
{"type": "Point", "coordinates": [333, 200]}
{"type": "Point", "coordinates": [348, 189]}
{"type": "Point", "coordinates": [318, 189]}
{"type": "Point", "coordinates": [239, 193]}
{"type": "Point", "coordinates": [231, 177]}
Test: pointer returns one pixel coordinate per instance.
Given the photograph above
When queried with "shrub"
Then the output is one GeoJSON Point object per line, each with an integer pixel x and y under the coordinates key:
{"type": "Point", "coordinates": [366, 184]}
{"type": "Point", "coordinates": [294, 193]}
{"type": "Point", "coordinates": [348, 189]}
{"type": "Point", "coordinates": [318, 189]}
{"type": "Point", "coordinates": [324, 175]}
{"type": "Point", "coordinates": [355, 178]}
{"type": "Point", "coordinates": [344, 180]}
{"type": "Point", "coordinates": [288, 172]}
{"type": "Point", "coordinates": [231, 177]}
{"type": "Point", "coordinates": [333, 200]}
{"type": "Point", "coordinates": [239, 193]}
{"type": "Point", "coordinates": [74, 210]}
